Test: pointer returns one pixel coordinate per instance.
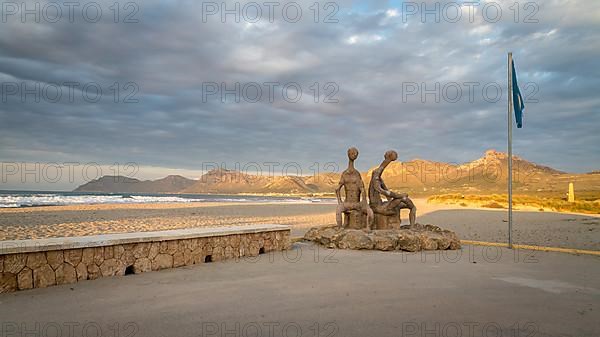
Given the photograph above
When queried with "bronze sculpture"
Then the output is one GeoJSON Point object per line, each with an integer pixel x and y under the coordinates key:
{"type": "Point", "coordinates": [358, 213]}
{"type": "Point", "coordinates": [381, 216]}
{"type": "Point", "coordinates": [387, 214]}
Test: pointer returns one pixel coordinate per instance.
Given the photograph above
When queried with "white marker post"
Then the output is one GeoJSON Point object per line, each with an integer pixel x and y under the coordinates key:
{"type": "Point", "coordinates": [510, 122]}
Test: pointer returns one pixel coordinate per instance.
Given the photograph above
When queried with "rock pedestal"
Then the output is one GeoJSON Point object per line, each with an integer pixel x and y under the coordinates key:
{"type": "Point", "coordinates": [356, 220]}
{"type": "Point", "coordinates": [407, 238]}
{"type": "Point", "coordinates": [384, 222]}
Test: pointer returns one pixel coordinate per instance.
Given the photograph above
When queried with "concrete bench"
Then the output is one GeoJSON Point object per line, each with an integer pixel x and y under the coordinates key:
{"type": "Point", "coordinates": [27, 264]}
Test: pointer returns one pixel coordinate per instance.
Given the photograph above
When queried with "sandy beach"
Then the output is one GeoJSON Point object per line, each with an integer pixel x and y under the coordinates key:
{"type": "Point", "coordinates": [57, 221]}
{"type": "Point", "coordinates": [531, 227]}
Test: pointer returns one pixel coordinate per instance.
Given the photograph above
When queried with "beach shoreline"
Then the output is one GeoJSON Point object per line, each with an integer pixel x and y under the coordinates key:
{"type": "Point", "coordinates": [470, 222]}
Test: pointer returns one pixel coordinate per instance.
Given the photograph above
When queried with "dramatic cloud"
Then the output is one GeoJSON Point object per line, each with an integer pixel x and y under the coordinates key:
{"type": "Point", "coordinates": [388, 75]}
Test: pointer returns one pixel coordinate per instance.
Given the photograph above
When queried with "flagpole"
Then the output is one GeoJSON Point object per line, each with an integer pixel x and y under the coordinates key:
{"type": "Point", "coordinates": [510, 157]}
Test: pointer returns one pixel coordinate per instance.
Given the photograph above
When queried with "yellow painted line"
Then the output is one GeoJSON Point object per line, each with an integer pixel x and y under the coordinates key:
{"type": "Point", "coordinates": [483, 243]}
{"type": "Point", "coordinates": [530, 247]}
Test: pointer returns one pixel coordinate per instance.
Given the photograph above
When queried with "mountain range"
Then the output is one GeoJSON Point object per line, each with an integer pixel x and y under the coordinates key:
{"type": "Point", "coordinates": [485, 175]}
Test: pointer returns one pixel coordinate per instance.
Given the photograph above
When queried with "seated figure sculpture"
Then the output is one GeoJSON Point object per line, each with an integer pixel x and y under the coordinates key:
{"type": "Point", "coordinates": [387, 214]}
{"type": "Point", "coordinates": [358, 214]}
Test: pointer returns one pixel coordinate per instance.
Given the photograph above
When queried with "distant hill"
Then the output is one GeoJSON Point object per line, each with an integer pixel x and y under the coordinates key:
{"type": "Point", "coordinates": [484, 175]}
{"type": "Point", "coordinates": [119, 184]}
{"type": "Point", "coordinates": [226, 181]}
{"type": "Point", "coordinates": [323, 181]}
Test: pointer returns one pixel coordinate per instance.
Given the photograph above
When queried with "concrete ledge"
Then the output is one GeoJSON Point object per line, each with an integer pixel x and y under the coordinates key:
{"type": "Point", "coordinates": [42, 245]}
{"type": "Point", "coordinates": [27, 264]}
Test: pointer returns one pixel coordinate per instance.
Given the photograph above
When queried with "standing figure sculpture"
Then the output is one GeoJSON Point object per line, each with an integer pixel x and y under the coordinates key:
{"type": "Point", "coordinates": [387, 213]}
{"type": "Point", "coordinates": [358, 213]}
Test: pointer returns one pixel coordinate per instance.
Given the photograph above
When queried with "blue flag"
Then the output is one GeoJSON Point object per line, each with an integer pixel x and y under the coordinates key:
{"type": "Point", "coordinates": [518, 104]}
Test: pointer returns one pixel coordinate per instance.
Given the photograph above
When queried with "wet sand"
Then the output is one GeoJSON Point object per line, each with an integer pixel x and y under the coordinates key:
{"type": "Point", "coordinates": [536, 228]}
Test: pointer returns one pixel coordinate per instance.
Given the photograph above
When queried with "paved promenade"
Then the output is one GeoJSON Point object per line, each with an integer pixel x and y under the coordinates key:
{"type": "Point", "coordinates": [310, 291]}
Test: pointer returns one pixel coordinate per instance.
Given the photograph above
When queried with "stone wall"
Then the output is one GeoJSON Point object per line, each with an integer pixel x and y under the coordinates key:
{"type": "Point", "coordinates": [29, 264]}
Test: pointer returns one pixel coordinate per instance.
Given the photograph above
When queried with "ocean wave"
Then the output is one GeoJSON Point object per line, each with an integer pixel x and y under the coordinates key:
{"type": "Point", "coordinates": [49, 199]}
{"type": "Point", "coordinates": [58, 200]}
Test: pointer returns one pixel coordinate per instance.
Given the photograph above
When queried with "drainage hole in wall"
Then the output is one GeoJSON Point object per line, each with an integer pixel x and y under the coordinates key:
{"type": "Point", "coordinates": [129, 270]}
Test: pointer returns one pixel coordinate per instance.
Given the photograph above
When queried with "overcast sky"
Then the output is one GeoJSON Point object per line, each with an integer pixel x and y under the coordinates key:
{"type": "Point", "coordinates": [370, 60]}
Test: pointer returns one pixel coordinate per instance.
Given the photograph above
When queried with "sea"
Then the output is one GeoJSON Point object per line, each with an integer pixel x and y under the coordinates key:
{"type": "Point", "coordinates": [49, 198]}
